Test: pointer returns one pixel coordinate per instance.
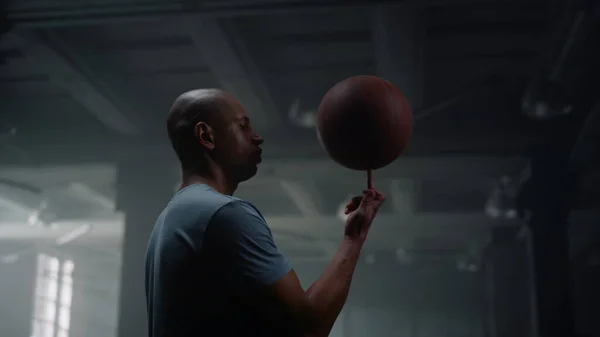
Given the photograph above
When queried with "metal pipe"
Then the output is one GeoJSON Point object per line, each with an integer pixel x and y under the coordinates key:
{"type": "Point", "coordinates": [558, 66]}
{"type": "Point", "coordinates": [587, 143]}
{"type": "Point", "coordinates": [86, 14]}
{"type": "Point", "coordinates": [457, 98]}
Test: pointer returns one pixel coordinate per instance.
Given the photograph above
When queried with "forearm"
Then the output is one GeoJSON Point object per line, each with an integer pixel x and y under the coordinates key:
{"type": "Point", "coordinates": [328, 294]}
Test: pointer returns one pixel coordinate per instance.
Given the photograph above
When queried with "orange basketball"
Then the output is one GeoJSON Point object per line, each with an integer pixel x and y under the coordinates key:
{"type": "Point", "coordinates": [364, 122]}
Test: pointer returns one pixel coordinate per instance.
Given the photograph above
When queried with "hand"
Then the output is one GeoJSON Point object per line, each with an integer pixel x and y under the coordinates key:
{"type": "Point", "coordinates": [361, 212]}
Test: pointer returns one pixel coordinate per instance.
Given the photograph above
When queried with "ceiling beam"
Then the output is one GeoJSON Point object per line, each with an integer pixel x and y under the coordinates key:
{"type": "Point", "coordinates": [433, 167]}
{"type": "Point", "coordinates": [442, 167]}
{"type": "Point", "coordinates": [50, 176]}
{"type": "Point", "coordinates": [306, 202]}
{"type": "Point", "coordinates": [404, 195]}
{"type": "Point", "coordinates": [85, 192]}
{"type": "Point", "coordinates": [25, 205]}
{"type": "Point", "coordinates": [391, 230]}
{"type": "Point", "coordinates": [15, 205]}
{"type": "Point", "coordinates": [75, 13]}
{"type": "Point", "coordinates": [423, 222]}
{"type": "Point", "coordinates": [484, 13]}
{"type": "Point", "coordinates": [101, 229]}
{"type": "Point", "coordinates": [46, 52]}
{"type": "Point", "coordinates": [226, 55]}
{"type": "Point", "coordinates": [48, 147]}
{"type": "Point", "coordinates": [398, 46]}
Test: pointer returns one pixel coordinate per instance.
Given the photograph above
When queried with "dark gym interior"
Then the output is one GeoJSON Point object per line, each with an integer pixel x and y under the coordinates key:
{"type": "Point", "coordinates": [492, 223]}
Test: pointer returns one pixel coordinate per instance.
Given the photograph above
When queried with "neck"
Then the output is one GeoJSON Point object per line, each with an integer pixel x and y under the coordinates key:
{"type": "Point", "coordinates": [213, 176]}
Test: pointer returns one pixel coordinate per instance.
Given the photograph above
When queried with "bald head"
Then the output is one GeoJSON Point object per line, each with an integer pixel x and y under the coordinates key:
{"type": "Point", "coordinates": [190, 108]}
{"type": "Point", "coordinates": [189, 98]}
{"type": "Point", "coordinates": [200, 104]}
{"type": "Point", "coordinates": [212, 125]}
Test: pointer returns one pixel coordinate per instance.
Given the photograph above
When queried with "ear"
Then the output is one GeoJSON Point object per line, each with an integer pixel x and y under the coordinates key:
{"type": "Point", "coordinates": [204, 135]}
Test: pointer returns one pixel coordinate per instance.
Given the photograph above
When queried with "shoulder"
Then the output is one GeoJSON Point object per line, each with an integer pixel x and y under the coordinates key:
{"type": "Point", "coordinates": [201, 195]}
{"type": "Point", "coordinates": [200, 203]}
{"type": "Point", "coordinates": [238, 213]}
{"type": "Point", "coordinates": [239, 207]}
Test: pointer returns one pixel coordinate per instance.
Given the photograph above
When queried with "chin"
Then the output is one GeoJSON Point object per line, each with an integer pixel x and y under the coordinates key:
{"type": "Point", "coordinates": [248, 174]}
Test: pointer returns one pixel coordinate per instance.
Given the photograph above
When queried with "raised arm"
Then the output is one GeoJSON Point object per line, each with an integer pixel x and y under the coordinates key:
{"type": "Point", "coordinates": [313, 312]}
{"type": "Point", "coordinates": [316, 310]}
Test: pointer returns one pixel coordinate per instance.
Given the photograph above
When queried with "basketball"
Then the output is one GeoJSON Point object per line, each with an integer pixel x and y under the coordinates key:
{"type": "Point", "coordinates": [364, 122]}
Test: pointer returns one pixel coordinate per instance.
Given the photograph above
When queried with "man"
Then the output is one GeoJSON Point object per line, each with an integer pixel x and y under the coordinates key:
{"type": "Point", "coordinates": [212, 268]}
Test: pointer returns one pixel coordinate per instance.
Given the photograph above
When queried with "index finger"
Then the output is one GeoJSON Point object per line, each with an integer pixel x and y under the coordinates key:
{"type": "Point", "coordinates": [370, 179]}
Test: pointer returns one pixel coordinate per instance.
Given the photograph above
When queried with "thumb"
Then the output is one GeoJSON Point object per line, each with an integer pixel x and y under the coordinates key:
{"type": "Point", "coordinates": [368, 198]}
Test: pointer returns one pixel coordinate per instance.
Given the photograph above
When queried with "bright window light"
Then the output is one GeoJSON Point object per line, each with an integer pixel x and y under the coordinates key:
{"type": "Point", "coordinates": [53, 294]}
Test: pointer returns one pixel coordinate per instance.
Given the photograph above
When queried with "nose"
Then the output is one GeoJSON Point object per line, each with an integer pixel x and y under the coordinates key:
{"type": "Point", "coordinates": [257, 139]}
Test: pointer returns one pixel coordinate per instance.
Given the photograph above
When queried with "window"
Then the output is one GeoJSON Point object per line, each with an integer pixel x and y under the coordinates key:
{"type": "Point", "coordinates": [53, 293]}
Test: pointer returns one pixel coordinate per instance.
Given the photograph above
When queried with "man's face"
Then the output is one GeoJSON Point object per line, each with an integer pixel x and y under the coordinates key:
{"type": "Point", "coordinates": [237, 145]}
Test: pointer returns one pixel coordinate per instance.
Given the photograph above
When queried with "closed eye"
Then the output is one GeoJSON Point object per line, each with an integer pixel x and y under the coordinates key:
{"type": "Point", "coordinates": [244, 123]}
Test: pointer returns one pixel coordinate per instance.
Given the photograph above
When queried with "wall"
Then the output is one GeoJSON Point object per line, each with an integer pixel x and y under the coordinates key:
{"type": "Point", "coordinates": [387, 299]}
{"type": "Point", "coordinates": [444, 302]}
{"type": "Point", "coordinates": [94, 294]}
{"type": "Point", "coordinates": [16, 300]}
{"type": "Point", "coordinates": [94, 306]}
{"type": "Point", "coordinates": [585, 245]}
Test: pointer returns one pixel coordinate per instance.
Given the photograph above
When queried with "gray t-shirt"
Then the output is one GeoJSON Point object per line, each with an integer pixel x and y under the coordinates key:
{"type": "Point", "coordinates": [208, 256]}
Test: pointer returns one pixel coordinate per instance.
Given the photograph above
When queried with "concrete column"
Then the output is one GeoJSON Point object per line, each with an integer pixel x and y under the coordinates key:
{"type": "Point", "coordinates": [508, 289]}
{"type": "Point", "coordinates": [552, 280]}
{"type": "Point", "coordinates": [17, 286]}
{"type": "Point", "coordinates": [551, 188]}
{"type": "Point", "coordinates": [143, 190]}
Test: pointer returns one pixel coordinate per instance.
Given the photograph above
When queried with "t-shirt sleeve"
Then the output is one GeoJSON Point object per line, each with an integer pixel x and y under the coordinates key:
{"type": "Point", "coordinates": [249, 243]}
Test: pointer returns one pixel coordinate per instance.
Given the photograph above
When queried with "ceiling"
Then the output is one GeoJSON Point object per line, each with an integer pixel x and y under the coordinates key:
{"type": "Point", "coordinates": [112, 77]}
{"type": "Point", "coordinates": [85, 86]}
